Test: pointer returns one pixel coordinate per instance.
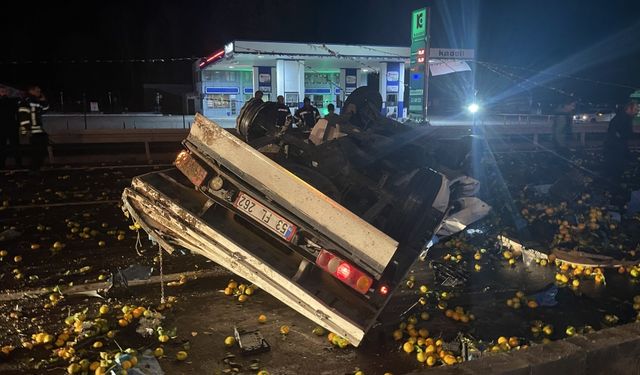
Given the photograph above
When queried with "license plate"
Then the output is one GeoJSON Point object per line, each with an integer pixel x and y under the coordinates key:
{"type": "Point", "coordinates": [191, 168]}
{"type": "Point", "coordinates": [265, 216]}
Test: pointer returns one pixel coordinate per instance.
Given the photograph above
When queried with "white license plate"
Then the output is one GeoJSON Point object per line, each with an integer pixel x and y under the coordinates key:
{"type": "Point", "coordinates": [265, 216]}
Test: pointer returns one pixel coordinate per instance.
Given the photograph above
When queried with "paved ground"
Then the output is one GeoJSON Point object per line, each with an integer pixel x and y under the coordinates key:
{"type": "Point", "coordinates": [64, 214]}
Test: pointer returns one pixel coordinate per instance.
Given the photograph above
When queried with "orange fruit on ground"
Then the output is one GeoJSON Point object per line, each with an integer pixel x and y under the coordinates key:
{"type": "Point", "coordinates": [229, 341]}
{"type": "Point", "coordinates": [284, 330]}
{"type": "Point", "coordinates": [449, 359]}
{"type": "Point", "coordinates": [408, 347]}
{"type": "Point", "coordinates": [137, 312]}
{"type": "Point", "coordinates": [423, 332]}
{"type": "Point", "coordinates": [431, 360]}
{"type": "Point", "coordinates": [397, 335]}
{"type": "Point", "coordinates": [158, 352]}
{"type": "Point", "coordinates": [181, 355]}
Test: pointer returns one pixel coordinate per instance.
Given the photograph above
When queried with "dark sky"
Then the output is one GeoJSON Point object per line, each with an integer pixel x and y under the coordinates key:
{"type": "Point", "coordinates": [598, 39]}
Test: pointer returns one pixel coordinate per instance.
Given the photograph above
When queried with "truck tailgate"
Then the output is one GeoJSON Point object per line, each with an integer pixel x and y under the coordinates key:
{"type": "Point", "coordinates": [172, 222]}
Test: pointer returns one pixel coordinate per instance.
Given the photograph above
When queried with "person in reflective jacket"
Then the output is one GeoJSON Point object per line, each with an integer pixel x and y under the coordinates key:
{"type": "Point", "coordinates": [306, 116]}
{"type": "Point", "coordinates": [30, 114]}
{"type": "Point", "coordinates": [283, 111]}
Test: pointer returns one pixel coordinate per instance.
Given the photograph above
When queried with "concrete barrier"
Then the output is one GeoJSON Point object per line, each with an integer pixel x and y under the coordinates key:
{"type": "Point", "coordinates": [609, 351]}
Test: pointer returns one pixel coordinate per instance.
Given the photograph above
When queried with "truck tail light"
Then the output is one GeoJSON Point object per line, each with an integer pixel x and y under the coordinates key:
{"type": "Point", "coordinates": [344, 271]}
{"type": "Point", "coordinates": [383, 290]}
{"type": "Point", "coordinates": [191, 168]}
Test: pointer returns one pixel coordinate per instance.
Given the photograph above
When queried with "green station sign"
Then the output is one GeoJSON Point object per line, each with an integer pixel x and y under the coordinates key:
{"type": "Point", "coordinates": [419, 24]}
{"type": "Point", "coordinates": [418, 64]}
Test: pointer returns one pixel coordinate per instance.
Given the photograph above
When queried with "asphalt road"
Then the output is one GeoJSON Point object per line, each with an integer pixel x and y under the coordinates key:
{"type": "Point", "coordinates": [78, 208]}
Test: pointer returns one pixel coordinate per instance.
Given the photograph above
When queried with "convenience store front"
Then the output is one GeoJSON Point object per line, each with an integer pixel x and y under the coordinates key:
{"type": "Point", "coordinates": [325, 73]}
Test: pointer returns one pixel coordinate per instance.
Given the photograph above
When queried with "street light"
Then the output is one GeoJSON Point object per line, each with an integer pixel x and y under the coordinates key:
{"type": "Point", "coordinates": [473, 108]}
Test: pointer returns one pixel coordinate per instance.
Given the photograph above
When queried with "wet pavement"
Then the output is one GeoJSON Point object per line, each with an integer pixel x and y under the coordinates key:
{"type": "Point", "coordinates": [73, 233]}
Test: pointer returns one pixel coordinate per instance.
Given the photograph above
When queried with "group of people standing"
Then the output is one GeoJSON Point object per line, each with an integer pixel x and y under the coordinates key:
{"type": "Point", "coordinates": [21, 118]}
{"type": "Point", "coordinates": [304, 117]}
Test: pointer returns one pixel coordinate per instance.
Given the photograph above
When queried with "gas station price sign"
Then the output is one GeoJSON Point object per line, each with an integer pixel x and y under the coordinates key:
{"type": "Point", "coordinates": [420, 59]}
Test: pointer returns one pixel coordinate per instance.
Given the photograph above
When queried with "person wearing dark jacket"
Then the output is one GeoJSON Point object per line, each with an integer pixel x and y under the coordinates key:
{"type": "Point", "coordinates": [562, 122]}
{"type": "Point", "coordinates": [283, 111]}
{"type": "Point", "coordinates": [306, 116]}
{"type": "Point", "coordinates": [9, 129]}
{"type": "Point", "coordinates": [616, 143]}
{"type": "Point", "coordinates": [30, 114]}
{"type": "Point", "coordinates": [331, 116]}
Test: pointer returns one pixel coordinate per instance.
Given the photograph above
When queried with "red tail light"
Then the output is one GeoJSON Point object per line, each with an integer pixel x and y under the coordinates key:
{"type": "Point", "coordinates": [344, 271]}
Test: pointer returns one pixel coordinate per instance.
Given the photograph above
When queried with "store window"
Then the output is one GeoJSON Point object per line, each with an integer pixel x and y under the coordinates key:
{"type": "Point", "coordinates": [217, 101]}
{"type": "Point", "coordinates": [318, 101]}
{"type": "Point", "coordinates": [291, 99]}
{"type": "Point", "coordinates": [321, 79]}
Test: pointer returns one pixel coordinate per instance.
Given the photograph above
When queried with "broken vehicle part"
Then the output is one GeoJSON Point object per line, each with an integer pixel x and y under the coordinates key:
{"type": "Point", "coordinates": [251, 342]}
{"type": "Point", "coordinates": [449, 275]}
{"type": "Point", "coordinates": [572, 257]}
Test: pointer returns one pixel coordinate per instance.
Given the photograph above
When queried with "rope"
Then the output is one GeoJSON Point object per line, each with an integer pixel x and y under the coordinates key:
{"type": "Point", "coordinates": [559, 75]}
{"type": "Point", "coordinates": [161, 275]}
{"type": "Point", "coordinates": [138, 245]}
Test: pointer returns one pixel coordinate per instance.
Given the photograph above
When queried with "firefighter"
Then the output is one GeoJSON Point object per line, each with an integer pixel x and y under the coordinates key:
{"type": "Point", "coordinates": [284, 113]}
{"type": "Point", "coordinates": [306, 116]}
{"type": "Point", "coordinates": [30, 114]}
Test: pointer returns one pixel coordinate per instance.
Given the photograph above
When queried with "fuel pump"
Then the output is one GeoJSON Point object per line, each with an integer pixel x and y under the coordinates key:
{"type": "Point", "coordinates": [392, 105]}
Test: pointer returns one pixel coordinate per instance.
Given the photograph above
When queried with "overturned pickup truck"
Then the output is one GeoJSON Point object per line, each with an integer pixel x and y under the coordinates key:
{"type": "Point", "coordinates": [328, 221]}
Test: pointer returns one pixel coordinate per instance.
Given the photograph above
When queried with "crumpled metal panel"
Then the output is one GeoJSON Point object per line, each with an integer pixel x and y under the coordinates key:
{"type": "Point", "coordinates": [161, 217]}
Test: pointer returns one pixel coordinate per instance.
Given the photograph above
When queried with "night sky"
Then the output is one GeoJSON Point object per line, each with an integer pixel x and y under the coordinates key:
{"type": "Point", "coordinates": [598, 40]}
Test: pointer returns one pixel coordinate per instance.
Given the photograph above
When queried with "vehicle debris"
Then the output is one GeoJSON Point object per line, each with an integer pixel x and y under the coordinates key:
{"type": "Point", "coordinates": [250, 341]}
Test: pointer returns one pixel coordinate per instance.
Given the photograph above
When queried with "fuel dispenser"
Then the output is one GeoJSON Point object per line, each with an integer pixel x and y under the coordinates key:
{"type": "Point", "coordinates": [392, 105]}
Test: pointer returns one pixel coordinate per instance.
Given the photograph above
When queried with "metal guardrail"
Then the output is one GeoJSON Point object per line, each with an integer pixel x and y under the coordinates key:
{"type": "Point", "coordinates": [145, 137]}
{"type": "Point", "coordinates": [523, 119]}
{"type": "Point", "coordinates": [57, 122]}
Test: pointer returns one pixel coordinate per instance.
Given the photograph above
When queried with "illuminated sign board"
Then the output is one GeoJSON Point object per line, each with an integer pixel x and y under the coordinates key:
{"type": "Point", "coordinates": [450, 53]}
{"type": "Point", "coordinates": [420, 58]}
{"type": "Point", "coordinates": [419, 24]}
